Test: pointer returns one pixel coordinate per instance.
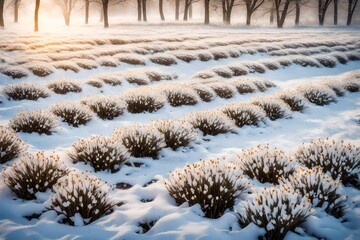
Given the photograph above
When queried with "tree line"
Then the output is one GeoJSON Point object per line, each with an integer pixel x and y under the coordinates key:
{"type": "Point", "coordinates": [279, 9]}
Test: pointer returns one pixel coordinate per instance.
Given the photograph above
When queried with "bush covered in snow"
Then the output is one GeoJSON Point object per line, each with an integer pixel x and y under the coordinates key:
{"type": "Point", "coordinates": [211, 122]}
{"type": "Point", "coordinates": [95, 83]}
{"type": "Point", "coordinates": [211, 183]}
{"type": "Point", "coordinates": [278, 211]}
{"type": "Point", "coordinates": [40, 121]}
{"type": "Point", "coordinates": [177, 133]}
{"type": "Point", "coordinates": [266, 164]}
{"type": "Point", "coordinates": [337, 158]}
{"type": "Point", "coordinates": [132, 59]}
{"type": "Point", "coordinates": [179, 95]}
{"type": "Point", "coordinates": [109, 78]}
{"type": "Point", "coordinates": [141, 140]}
{"type": "Point", "coordinates": [13, 72]}
{"type": "Point", "coordinates": [100, 152]}
{"type": "Point", "coordinates": [318, 94]}
{"type": "Point", "coordinates": [206, 93]}
{"type": "Point", "coordinates": [143, 100]}
{"type": "Point", "coordinates": [223, 90]}
{"type": "Point", "coordinates": [81, 199]}
{"type": "Point", "coordinates": [320, 189]}
{"type": "Point", "coordinates": [244, 85]}
{"type": "Point", "coordinates": [73, 113]}
{"type": "Point", "coordinates": [351, 85]}
{"type": "Point", "coordinates": [28, 91]}
{"type": "Point", "coordinates": [11, 146]}
{"type": "Point", "coordinates": [106, 107]}
{"type": "Point", "coordinates": [64, 86]}
{"type": "Point", "coordinates": [34, 173]}
{"type": "Point", "coordinates": [244, 113]}
{"type": "Point", "coordinates": [163, 59]}
{"type": "Point", "coordinates": [274, 108]}
{"type": "Point", "coordinates": [295, 101]}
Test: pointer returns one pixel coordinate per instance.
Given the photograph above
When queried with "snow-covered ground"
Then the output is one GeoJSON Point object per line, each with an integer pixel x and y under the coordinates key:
{"type": "Point", "coordinates": [277, 56]}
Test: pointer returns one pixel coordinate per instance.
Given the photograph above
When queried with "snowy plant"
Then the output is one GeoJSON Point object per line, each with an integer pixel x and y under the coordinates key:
{"type": "Point", "coordinates": [327, 61]}
{"type": "Point", "coordinates": [27, 91]}
{"type": "Point", "coordinates": [81, 199]}
{"type": "Point", "coordinates": [351, 85]}
{"type": "Point", "coordinates": [335, 85]}
{"type": "Point", "coordinates": [211, 122]}
{"type": "Point", "coordinates": [274, 108]}
{"type": "Point", "coordinates": [319, 188]}
{"type": "Point", "coordinates": [143, 100]}
{"type": "Point", "coordinates": [186, 57]}
{"type": "Point", "coordinates": [335, 157]}
{"type": "Point", "coordinates": [40, 121]}
{"type": "Point", "coordinates": [138, 79]}
{"type": "Point", "coordinates": [244, 113]}
{"type": "Point", "coordinates": [163, 59]}
{"type": "Point", "coordinates": [95, 83]}
{"type": "Point", "coordinates": [73, 113]}
{"type": "Point", "coordinates": [305, 61]}
{"type": "Point", "coordinates": [244, 85]}
{"type": "Point", "coordinates": [34, 173]}
{"type": "Point", "coordinates": [206, 93]}
{"type": "Point", "coordinates": [178, 95]}
{"type": "Point", "coordinates": [177, 133]}
{"type": "Point", "coordinates": [295, 101]}
{"type": "Point", "coordinates": [204, 56]}
{"type": "Point", "coordinates": [110, 79]}
{"type": "Point", "coordinates": [278, 211]}
{"type": "Point", "coordinates": [266, 164]}
{"type": "Point", "coordinates": [106, 107]}
{"type": "Point", "coordinates": [318, 94]}
{"type": "Point", "coordinates": [64, 86]}
{"type": "Point", "coordinates": [87, 64]}
{"type": "Point", "coordinates": [141, 140]}
{"type": "Point", "coordinates": [39, 68]}
{"type": "Point", "coordinates": [223, 90]}
{"type": "Point", "coordinates": [13, 71]}
{"type": "Point", "coordinates": [132, 59]}
{"type": "Point", "coordinates": [156, 75]}
{"type": "Point", "coordinates": [66, 66]}
{"type": "Point", "coordinates": [100, 152]}
{"type": "Point", "coordinates": [213, 184]}
{"type": "Point", "coordinates": [11, 146]}
{"type": "Point", "coordinates": [238, 70]}
{"type": "Point", "coordinates": [254, 67]}
{"type": "Point", "coordinates": [223, 72]}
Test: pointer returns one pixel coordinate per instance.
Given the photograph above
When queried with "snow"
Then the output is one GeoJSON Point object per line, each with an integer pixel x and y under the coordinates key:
{"type": "Point", "coordinates": [251, 50]}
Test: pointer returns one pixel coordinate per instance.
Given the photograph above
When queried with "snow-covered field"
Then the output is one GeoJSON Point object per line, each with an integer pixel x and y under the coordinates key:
{"type": "Point", "coordinates": [173, 65]}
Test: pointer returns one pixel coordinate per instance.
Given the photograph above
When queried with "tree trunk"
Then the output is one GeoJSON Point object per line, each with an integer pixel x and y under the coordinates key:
{"type": "Point", "coordinates": [36, 15]}
{"type": "Point", "coordinates": [351, 10]}
{"type": "Point", "coordinates": [207, 12]}
{"type": "Point", "coordinates": [177, 9]}
{"type": "Point", "coordinates": [321, 18]}
{"type": "Point", "coordinates": [186, 11]}
{"type": "Point", "coordinates": [297, 12]}
{"type": "Point", "coordinates": [190, 11]}
{"type": "Point", "coordinates": [2, 2]}
{"type": "Point", "coordinates": [272, 14]}
{"type": "Point", "coordinates": [67, 18]}
{"type": "Point", "coordinates": [139, 10]}
{"type": "Point", "coordinates": [105, 10]}
{"type": "Point", "coordinates": [16, 11]}
{"type": "Point", "coordinates": [87, 10]}
{"type": "Point", "coordinates": [144, 10]}
{"type": "Point", "coordinates": [335, 12]}
{"type": "Point", "coordinates": [248, 18]}
{"type": "Point", "coordinates": [161, 10]}
{"type": "Point", "coordinates": [223, 5]}
{"type": "Point", "coordinates": [280, 18]}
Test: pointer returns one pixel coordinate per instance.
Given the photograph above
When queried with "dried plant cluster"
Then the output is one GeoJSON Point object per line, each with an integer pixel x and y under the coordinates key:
{"type": "Point", "coordinates": [11, 146]}
{"type": "Point", "coordinates": [25, 91]}
{"type": "Point", "coordinates": [73, 113]}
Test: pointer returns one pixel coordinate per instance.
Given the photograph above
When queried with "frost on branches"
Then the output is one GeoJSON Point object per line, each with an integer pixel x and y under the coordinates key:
{"type": "Point", "coordinates": [339, 159]}
{"type": "Point", "coordinates": [11, 146]}
{"type": "Point", "coordinates": [318, 94]}
{"type": "Point", "coordinates": [274, 108]}
{"type": "Point", "coordinates": [141, 140]}
{"type": "Point", "coordinates": [64, 86]}
{"type": "Point", "coordinates": [205, 93]}
{"type": "Point", "coordinates": [106, 107]}
{"type": "Point", "coordinates": [295, 101]}
{"type": "Point", "coordinates": [143, 100]}
{"type": "Point", "coordinates": [266, 164]}
{"type": "Point", "coordinates": [278, 211]}
{"type": "Point", "coordinates": [100, 152]}
{"type": "Point", "coordinates": [34, 173]}
{"type": "Point", "coordinates": [244, 113]}
{"type": "Point", "coordinates": [25, 91]}
{"type": "Point", "coordinates": [213, 184]}
{"type": "Point", "coordinates": [81, 194]}
{"type": "Point", "coordinates": [73, 113]}
{"type": "Point", "coordinates": [178, 95]}
{"type": "Point", "coordinates": [321, 189]}
{"type": "Point", "coordinates": [40, 121]}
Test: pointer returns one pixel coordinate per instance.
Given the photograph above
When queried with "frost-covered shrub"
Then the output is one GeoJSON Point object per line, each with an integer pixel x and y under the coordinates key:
{"type": "Point", "coordinates": [106, 107]}
{"type": "Point", "coordinates": [278, 211]}
{"type": "Point", "coordinates": [143, 100]}
{"type": "Point", "coordinates": [141, 140]}
{"type": "Point", "coordinates": [177, 133]}
{"type": "Point", "coordinates": [266, 164]}
{"type": "Point", "coordinates": [132, 59]}
{"type": "Point", "coordinates": [66, 66]}
{"type": "Point", "coordinates": [306, 61]}
{"type": "Point", "coordinates": [73, 113]}
{"type": "Point", "coordinates": [271, 65]}
{"type": "Point", "coordinates": [37, 120]}
{"type": "Point", "coordinates": [350, 84]}
{"type": "Point", "coordinates": [100, 152]}
{"type": "Point", "coordinates": [255, 67]}
{"type": "Point", "coordinates": [40, 69]}
{"type": "Point", "coordinates": [81, 197]}
{"type": "Point", "coordinates": [205, 93]}
{"type": "Point", "coordinates": [336, 86]}
{"type": "Point", "coordinates": [337, 158]}
{"type": "Point", "coordinates": [244, 85]}
{"type": "Point", "coordinates": [205, 56]}
{"type": "Point", "coordinates": [295, 101]}
{"type": "Point", "coordinates": [320, 189]}
{"type": "Point", "coordinates": [218, 54]}
{"type": "Point", "coordinates": [28, 91]}
{"type": "Point", "coordinates": [163, 59]}
{"type": "Point", "coordinates": [13, 72]}
{"type": "Point", "coordinates": [211, 183]}
{"type": "Point", "coordinates": [274, 108]}
{"type": "Point", "coordinates": [64, 86]}
{"type": "Point", "coordinates": [85, 63]}
{"type": "Point", "coordinates": [11, 146]}
{"type": "Point", "coordinates": [107, 62]}
{"type": "Point", "coordinates": [186, 57]}
{"type": "Point", "coordinates": [179, 95]}
{"type": "Point", "coordinates": [327, 61]}
{"type": "Point", "coordinates": [238, 70]}
{"type": "Point", "coordinates": [111, 79]}
{"type": "Point", "coordinates": [244, 113]}
{"type": "Point", "coordinates": [34, 173]}
{"type": "Point", "coordinates": [211, 122]}
{"type": "Point", "coordinates": [95, 83]}
{"type": "Point", "coordinates": [156, 75]}
{"type": "Point", "coordinates": [138, 80]}
{"type": "Point", "coordinates": [223, 72]}
{"type": "Point", "coordinates": [318, 94]}
{"type": "Point", "coordinates": [223, 90]}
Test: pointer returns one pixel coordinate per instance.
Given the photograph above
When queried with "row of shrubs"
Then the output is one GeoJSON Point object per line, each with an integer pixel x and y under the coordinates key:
{"type": "Point", "coordinates": [310, 181]}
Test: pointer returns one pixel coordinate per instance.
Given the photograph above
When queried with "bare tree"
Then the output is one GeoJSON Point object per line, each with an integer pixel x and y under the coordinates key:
{"type": "Point", "coordinates": [161, 10]}
{"type": "Point", "coordinates": [282, 8]}
{"type": "Point", "coordinates": [36, 16]}
{"type": "Point", "coordinates": [251, 7]}
{"type": "Point", "coordinates": [87, 11]}
{"type": "Point", "coordinates": [227, 7]}
{"type": "Point", "coordinates": [105, 6]}
{"type": "Point", "coordinates": [322, 8]}
{"type": "Point", "coordinates": [139, 10]}
{"type": "Point", "coordinates": [351, 9]}
{"type": "Point", "coordinates": [2, 3]}
{"type": "Point", "coordinates": [207, 11]}
{"type": "Point", "coordinates": [144, 11]}
{"type": "Point", "coordinates": [177, 9]}
{"type": "Point", "coordinates": [297, 11]}
{"type": "Point", "coordinates": [187, 7]}
{"type": "Point", "coordinates": [66, 7]}
{"type": "Point", "coordinates": [272, 13]}
{"type": "Point", "coordinates": [16, 10]}
{"type": "Point", "coordinates": [336, 5]}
